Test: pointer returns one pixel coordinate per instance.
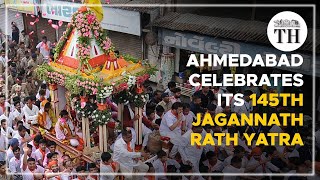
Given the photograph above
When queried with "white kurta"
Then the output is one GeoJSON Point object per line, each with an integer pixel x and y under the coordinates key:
{"type": "Point", "coordinates": [123, 156]}
{"type": "Point", "coordinates": [30, 114]}
{"type": "Point", "coordinates": [189, 152]}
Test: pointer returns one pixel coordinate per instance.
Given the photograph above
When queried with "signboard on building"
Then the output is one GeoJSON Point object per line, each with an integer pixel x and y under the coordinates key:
{"type": "Point", "coordinates": [58, 10]}
{"type": "Point", "coordinates": [120, 20]}
{"type": "Point", "coordinates": [113, 19]}
{"type": "Point", "coordinates": [212, 45]}
{"type": "Point", "coordinates": [26, 6]}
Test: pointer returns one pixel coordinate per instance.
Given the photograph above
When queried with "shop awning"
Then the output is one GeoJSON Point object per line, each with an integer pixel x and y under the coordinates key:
{"type": "Point", "coordinates": [229, 28]}
{"type": "Point", "coordinates": [131, 4]}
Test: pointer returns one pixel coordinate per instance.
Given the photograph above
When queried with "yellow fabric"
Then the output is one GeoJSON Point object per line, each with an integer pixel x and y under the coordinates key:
{"type": "Point", "coordinates": [96, 7]}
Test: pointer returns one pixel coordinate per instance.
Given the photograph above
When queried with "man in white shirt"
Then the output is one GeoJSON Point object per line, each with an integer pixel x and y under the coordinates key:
{"type": "Point", "coordinates": [239, 152]}
{"type": "Point", "coordinates": [5, 129]}
{"type": "Point", "coordinates": [22, 136]}
{"type": "Point", "coordinates": [212, 162]}
{"type": "Point", "coordinates": [259, 164]}
{"type": "Point", "coordinates": [15, 162]}
{"type": "Point", "coordinates": [108, 166]}
{"type": "Point", "coordinates": [190, 154]}
{"type": "Point", "coordinates": [44, 46]}
{"type": "Point", "coordinates": [41, 152]}
{"type": "Point", "coordinates": [31, 112]}
{"type": "Point", "coordinates": [234, 167]}
{"type": "Point", "coordinates": [35, 142]}
{"type": "Point", "coordinates": [16, 115]}
{"type": "Point", "coordinates": [189, 116]}
{"type": "Point", "coordinates": [171, 122]}
{"type": "Point", "coordinates": [29, 167]}
{"type": "Point", "coordinates": [161, 164]}
{"type": "Point", "coordinates": [43, 87]}
{"type": "Point", "coordinates": [128, 159]}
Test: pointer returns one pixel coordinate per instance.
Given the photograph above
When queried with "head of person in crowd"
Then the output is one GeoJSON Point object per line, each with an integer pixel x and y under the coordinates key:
{"type": "Point", "coordinates": [159, 111]}
{"type": "Point", "coordinates": [66, 157]}
{"type": "Point", "coordinates": [51, 55]}
{"type": "Point", "coordinates": [16, 152]}
{"type": "Point", "coordinates": [106, 158]}
{"type": "Point", "coordinates": [29, 102]}
{"type": "Point", "coordinates": [68, 165]}
{"type": "Point", "coordinates": [177, 108]}
{"type": "Point", "coordinates": [157, 95]}
{"type": "Point", "coordinates": [212, 157]}
{"type": "Point", "coordinates": [37, 52]}
{"type": "Point", "coordinates": [172, 85]}
{"type": "Point", "coordinates": [29, 151]}
{"type": "Point", "coordinates": [22, 45]}
{"type": "Point", "coordinates": [186, 169]}
{"type": "Point", "coordinates": [236, 162]}
{"type": "Point", "coordinates": [165, 97]}
{"type": "Point", "coordinates": [11, 47]}
{"type": "Point", "coordinates": [47, 107]}
{"type": "Point", "coordinates": [2, 99]}
{"type": "Point", "coordinates": [14, 142]}
{"type": "Point", "coordinates": [162, 156]}
{"type": "Point", "coordinates": [3, 170]}
{"type": "Point", "coordinates": [176, 92]}
{"type": "Point", "coordinates": [53, 166]}
{"type": "Point", "coordinates": [19, 123]}
{"type": "Point", "coordinates": [23, 32]}
{"type": "Point", "coordinates": [31, 162]}
{"type": "Point", "coordinates": [205, 89]}
{"type": "Point", "coordinates": [44, 39]}
{"type": "Point", "coordinates": [36, 140]}
{"type": "Point", "coordinates": [197, 129]}
{"type": "Point", "coordinates": [52, 146]}
{"type": "Point", "coordinates": [81, 170]}
{"type": "Point", "coordinates": [34, 56]}
{"type": "Point", "coordinates": [186, 108]}
{"type": "Point", "coordinates": [239, 151]}
{"type": "Point", "coordinates": [207, 128]}
{"type": "Point", "coordinates": [3, 53]}
{"type": "Point", "coordinates": [4, 123]}
{"type": "Point", "coordinates": [29, 78]}
{"type": "Point", "coordinates": [247, 94]}
{"type": "Point", "coordinates": [22, 131]}
{"type": "Point", "coordinates": [196, 100]}
{"type": "Point", "coordinates": [27, 54]}
{"type": "Point", "coordinates": [64, 114]}
{"type": "Point", "coordinates": [92, 168]}
{"type": "Point", "coordinates": [256, 153]}
{"type": "Point", "coordinates": [43, 144]}
{"type": "Point", "coordinates": [211, 109]}
{"type": "Point", "coordinates": [19, 80]}
{"type": "Point", "coordinates": [126, 135]}
{"type": "Point", "coordinates": [52, 157]}
{"type": "Point", "coordinates": [43, 86]}
{"type": "Point", "coordinates": [150, 114]}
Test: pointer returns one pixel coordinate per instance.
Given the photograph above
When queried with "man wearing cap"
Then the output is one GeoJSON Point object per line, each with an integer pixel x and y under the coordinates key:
{"type": "Point", "coordinates": [165, 103]}
{"type": "Point", "coordinates": [258, 163]}
{"type": "Point", "coordinates": [53, 171]}
{"type": "Point", "coordinates": [21, 52]}
{"type": "Point", "coordinates": [23, 88]}
{"type": "Point", "coordinates": [14, 142]}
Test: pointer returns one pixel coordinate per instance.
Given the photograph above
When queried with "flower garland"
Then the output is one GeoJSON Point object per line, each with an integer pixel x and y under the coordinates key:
{"type": "Point", "coordinates": [104, 93]}
{"type": "Point", "coordinates": [101, 117]}
{"type": "Point", "coordinates": [57, 78]}
{"type": "Point", "coordinates": [86, 111]}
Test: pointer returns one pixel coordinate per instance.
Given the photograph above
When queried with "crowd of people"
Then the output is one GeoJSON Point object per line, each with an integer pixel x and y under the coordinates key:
{"type": "Point", "coordinates": [28, 155]}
